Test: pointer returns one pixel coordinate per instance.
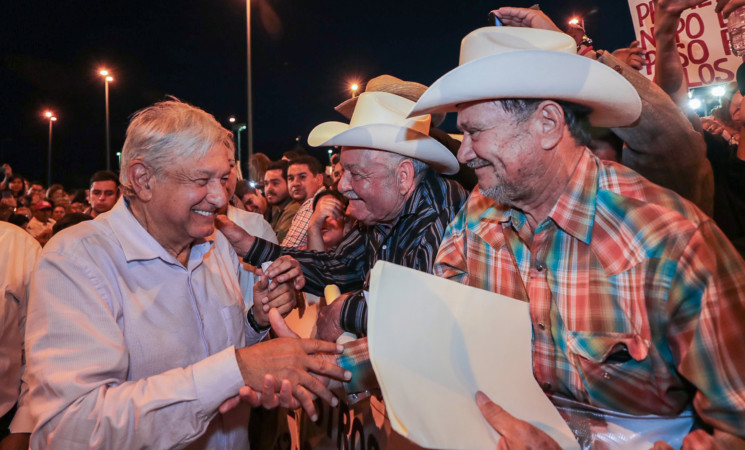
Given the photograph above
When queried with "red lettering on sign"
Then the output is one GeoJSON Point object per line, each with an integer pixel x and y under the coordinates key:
{"type": "Point", "coordinates": [706, 73]}
{"type": "Point", "coordinates": [700, 56]}
{"type": "Point", "coordinates": [643, 11]}
{"type": "Point", "coordinates": [728, 74]}
{"type": "Point", "coordinates": [646, 39]}
{"type": "Point", "coordinates": [694, 21]}
{"type": "Point", "coordinates": [651, 56]}
{"type": "Point", "coordinates": [691, 84]}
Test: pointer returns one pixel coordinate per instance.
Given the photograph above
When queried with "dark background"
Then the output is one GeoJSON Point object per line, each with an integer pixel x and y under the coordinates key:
{"type": "Point", "coordinates": [196, 51]}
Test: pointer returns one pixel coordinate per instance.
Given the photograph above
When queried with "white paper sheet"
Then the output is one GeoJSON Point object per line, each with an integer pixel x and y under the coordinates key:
{"type": "Point", "coordinates": [434, 343]}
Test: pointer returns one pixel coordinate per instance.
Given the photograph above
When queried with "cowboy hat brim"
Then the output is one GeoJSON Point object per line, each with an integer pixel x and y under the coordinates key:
{"type": "Point", "coordinates": [387, 137]}
{"type": "Point", "coordinates": [542, 74]}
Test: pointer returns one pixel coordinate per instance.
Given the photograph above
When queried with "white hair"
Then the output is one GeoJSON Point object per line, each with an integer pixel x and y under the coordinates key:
{"type": "Point", "coordinates": [168, 131]}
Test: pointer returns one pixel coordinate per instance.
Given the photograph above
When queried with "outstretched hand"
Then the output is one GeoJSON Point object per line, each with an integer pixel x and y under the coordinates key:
{"type": "Point", "coordinates": [300, 365]}
{"type": "Point", "coordinates": [525, 17]}
{"type": "Point", "coordinates": [237, 236]}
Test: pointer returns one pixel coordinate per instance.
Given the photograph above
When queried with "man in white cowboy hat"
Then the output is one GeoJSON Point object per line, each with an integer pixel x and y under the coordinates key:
{"type": "Point", "coordinates": [637, 300]}
{"type": "Point", "coordinates": [390, 164]}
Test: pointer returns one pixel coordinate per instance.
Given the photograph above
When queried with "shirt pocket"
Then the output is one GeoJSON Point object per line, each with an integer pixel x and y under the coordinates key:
{"type": "Point", "coordinates": [234, 318]}
{"type": "Point", "coordinates": [616, 370]}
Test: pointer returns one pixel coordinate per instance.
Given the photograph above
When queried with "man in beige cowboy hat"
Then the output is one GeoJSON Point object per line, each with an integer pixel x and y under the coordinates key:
{"type": "Point", "coordinates": [636, 298]}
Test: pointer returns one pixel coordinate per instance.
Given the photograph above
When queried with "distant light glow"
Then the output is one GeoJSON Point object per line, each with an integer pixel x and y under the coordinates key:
{"type": "Point", "coordinates": [717, 91]}
{"type": "Point", "coordinates": [694, 103]}
{"type": "Point", "coordinates": [109, 78]}
{"type": "Point", "coordinates": [53, 119]}
{"type": "Point", "coordinates": [355, 87]}
{"type": "Point", "coordinates": [231, 119]}
{"type": "Point", "coordinates": [48, 114]}
{"type": "Point", "coordinates": [104, 72]}
{"type": "Point", "coordinates": [253, 184]}
{"type": "Point", "coordinates": [574, 21]}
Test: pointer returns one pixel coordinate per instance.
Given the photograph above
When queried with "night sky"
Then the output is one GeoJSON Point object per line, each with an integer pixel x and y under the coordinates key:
{"type": "Point", "coordinates": [305, 55]}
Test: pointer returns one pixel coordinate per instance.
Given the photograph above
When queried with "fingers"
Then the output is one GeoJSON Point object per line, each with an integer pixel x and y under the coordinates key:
{"type": "Point", "coordinates": [283, 298]}
{"type": "Point", "coordinates": [268, 394]}
{"type": "Point", "coordinates": [279, 325]}
{"type": "Point", "coordinates": [286, 400]}
{"type": "Point", "coordinates": [305, 399]}
{"type": "Point", "coordinates": [497, 417]}
{"type": "Point", "coordinates": [237, 236]}
{"type": "Point", "coordinates": [284, 269]}
{"type": "Point", "coordinates": [661, 445]}
{"type": "Point", "coordinates": [229, 404]}
{"type": "Point", "coordinates": [312, 346]}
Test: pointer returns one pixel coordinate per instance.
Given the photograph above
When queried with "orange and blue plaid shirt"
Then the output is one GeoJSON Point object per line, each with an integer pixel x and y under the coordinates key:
{"type": "Point", "coordinates": [637, 299]}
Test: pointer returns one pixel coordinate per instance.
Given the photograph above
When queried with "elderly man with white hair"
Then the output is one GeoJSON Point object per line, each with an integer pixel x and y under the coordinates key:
{"type": "Point", "coordinates": [391, 178]}
{"type": "Point", "coordinates": [637, 300]}
{"type": "Point", "coordinates": [138, 330]}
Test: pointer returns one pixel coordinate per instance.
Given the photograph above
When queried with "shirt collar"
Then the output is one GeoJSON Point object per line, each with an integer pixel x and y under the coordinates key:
{"type": "Point", "coordinates": [138, 244]}
{"type": "Point", "coordinates": [574, 212]}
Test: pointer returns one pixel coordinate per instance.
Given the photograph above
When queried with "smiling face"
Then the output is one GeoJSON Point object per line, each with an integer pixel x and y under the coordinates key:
{"type": "Point", "coordinates": [369, 182]}
{"type": "Point", "coordinates": [184, 199]}
{"type": "Point", "coordinates": [502, 152]}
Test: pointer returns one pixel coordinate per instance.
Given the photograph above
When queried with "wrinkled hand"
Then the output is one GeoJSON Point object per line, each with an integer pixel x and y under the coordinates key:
{"type": "Point", "coordinates": [328, 324]}
{"type": "Point", "coordinates": [285, 269]}
{"type": "Point", "coordinates": [516, 433]}
{"type": "Point", "coordinates": [525, 17]}
{"type": "Point", "coordinates": [297, 362]}
{"type": "Point", "coordinates": [634, 55]}
{"type": "Point", "coordinates": [237, 236]}
{"type": "Point", "coordinates": [280, 296]}
{"type": "Point", "coordinates": [699, 439]}
{"type": "Point", "coordinates": [717, 128]}
{"type": "Point", "coordinates": [327, 206]}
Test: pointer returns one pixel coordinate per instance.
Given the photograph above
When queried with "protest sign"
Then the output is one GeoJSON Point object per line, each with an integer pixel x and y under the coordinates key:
{"type": "Point", "coordinates": [702, 41]}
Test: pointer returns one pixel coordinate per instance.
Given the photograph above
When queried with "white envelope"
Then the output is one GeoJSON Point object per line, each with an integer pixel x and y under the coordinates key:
{"type": "Point", "coordinates": [433, 343]}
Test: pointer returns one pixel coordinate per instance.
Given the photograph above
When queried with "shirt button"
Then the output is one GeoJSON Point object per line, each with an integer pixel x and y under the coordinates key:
{"type": "Point", "coordinates": [547, 387]}
{"type": "Point", "coordinates": [541, 325]}
{"type": "Point", "coordinates": [539, 267]}
{"type": "Point", "coordinates": [606, 375]}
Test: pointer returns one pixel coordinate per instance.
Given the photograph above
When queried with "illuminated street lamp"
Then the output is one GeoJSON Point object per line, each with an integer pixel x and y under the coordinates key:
{"type": "Point", "coordinates": [51, 117]}
{"type": "Point", "coordinates": [107, 78]}
{"type": "Point", "coordinates": [717, 91]}
{"type": "Point", "coordinates": [354, 87]}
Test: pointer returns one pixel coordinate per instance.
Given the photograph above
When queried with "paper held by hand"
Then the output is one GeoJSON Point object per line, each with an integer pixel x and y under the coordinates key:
{"type": "Point", "coordinates": [434, 343]}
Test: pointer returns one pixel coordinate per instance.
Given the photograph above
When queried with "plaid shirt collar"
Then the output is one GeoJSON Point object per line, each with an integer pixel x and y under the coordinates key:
{"type": "Point", "coordinates": [574, 212]}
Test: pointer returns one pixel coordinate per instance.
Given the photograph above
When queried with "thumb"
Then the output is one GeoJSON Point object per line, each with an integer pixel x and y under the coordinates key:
{"type": "Point", "coordinates": [262, 284]}
{"type": "Point", "coordinates": [497, 417]}
{"type": "Point", "coordinates": [279, 325]}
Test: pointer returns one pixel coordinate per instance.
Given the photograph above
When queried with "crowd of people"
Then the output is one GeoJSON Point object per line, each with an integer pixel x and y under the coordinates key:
{"type": "Point", "coordinates": [148, 310]}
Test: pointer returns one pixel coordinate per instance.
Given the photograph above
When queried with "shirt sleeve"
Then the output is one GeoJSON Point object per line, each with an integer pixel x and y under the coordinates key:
{"type": "Point", "coordinates": [345, 267]}
{"type": "Point", "coordinates": [707, 327]}
{"type": "Point", "coordinates": [451, 257]}
{"type": "Point", "coordinates": [79, 392]}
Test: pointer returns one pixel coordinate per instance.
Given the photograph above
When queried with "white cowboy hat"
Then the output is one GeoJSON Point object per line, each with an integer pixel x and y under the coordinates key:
{"type": "Point", "coordinates": [513, 62]}
{"type": "Point", "coordinates": [379, 122]}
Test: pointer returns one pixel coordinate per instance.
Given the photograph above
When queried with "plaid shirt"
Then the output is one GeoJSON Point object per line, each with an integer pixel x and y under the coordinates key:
{"type": "Point", "coordinates": [297, 236]}
{"type": "Point", "coordinates": [637, 299]}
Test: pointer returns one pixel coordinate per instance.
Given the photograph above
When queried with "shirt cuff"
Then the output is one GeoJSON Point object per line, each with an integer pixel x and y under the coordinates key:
{"type": "Point", "coordinates": [353, 316]}
{"type": "Point", "coordinates": [217, 378]}
{"type": "Point", "coordinates": [262, 251]}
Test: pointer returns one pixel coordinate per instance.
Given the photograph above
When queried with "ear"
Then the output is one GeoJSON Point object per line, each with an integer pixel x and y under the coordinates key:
{"type": "Point", "coordinates": [141, 178]}
{"type": "Point", "coordinates": [551, 124]}
{"type": "Point", "coordinates": [405, 176]}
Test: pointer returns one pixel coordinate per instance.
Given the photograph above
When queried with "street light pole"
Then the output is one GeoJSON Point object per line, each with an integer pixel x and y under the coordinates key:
{"type": "Point", "coordinates": [49, 115]}
{"type": "Point", "coordinates": [107, 78]}
{"type": "Point", "coordinates": [249, 117]}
